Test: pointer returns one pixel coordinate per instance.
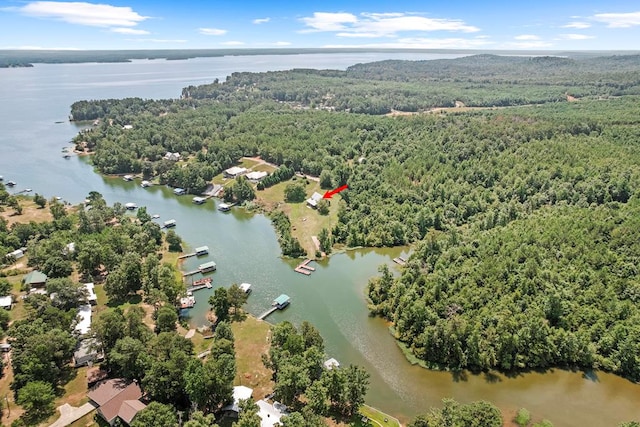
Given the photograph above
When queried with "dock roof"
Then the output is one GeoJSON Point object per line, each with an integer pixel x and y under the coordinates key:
{"type": "Point", "coordinates": [282, 299]}
{"type": "Point", "coordinates": [202, 249]}
{"type": "Point", "coordinates": [206, 265]}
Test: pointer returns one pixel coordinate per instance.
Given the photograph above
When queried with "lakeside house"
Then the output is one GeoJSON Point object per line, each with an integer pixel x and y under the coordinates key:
{"type": "Point", "coordinates": [84, 323]}
{"type": "Point", "coordinates": [240, 393]}
{"type": "Point", "coordinates": [6, 302]}
{"type": "Point", "coordinates": [87, 352]}
{"type": "Point", "coordinates": [314, 199]}
{"type": "Point", "coordinates": [331, 364]}
{"type": "Point", "coordinates": [256, 176]}
{"type": "Point", "coordinates": [270, 414]}
{"type": "Point", "coordinates": [173, 157]}
{"type": "Point", "coordinates": [35, 279]}
{"type": "Point", "coordinates": [234, 172]}
{"type": "Point", "coordinates": [92, 298]}
{"type": "Point", "coordinates": [117, 398]}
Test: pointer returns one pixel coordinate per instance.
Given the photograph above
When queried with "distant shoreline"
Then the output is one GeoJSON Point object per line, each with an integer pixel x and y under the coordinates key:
{"type": "Point", "coordinates": [27, 58]}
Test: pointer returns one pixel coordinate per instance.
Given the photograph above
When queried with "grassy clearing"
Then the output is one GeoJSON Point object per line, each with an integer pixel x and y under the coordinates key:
{"type": "Point", "coordinates": [305, 222]}
{"type": "Point", "coordinates": [251, 341]}
{"type": "Point", "coordinates": [377, 417]}
{"type": "Point", "coordinates": [30, 212]}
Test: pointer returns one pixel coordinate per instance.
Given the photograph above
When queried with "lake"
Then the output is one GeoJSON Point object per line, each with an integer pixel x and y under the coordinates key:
{"type": "Point", "coordinates": [244, 245]}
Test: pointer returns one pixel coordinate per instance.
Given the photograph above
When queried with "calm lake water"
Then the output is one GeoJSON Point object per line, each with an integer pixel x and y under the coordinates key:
{"type": "Point", "coordinates": [244, 246]}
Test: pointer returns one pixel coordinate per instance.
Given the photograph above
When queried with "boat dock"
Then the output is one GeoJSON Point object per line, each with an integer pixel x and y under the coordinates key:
{"type": "Point", "coordinates": [400, 261]}
{"type": "Point", "coordinates": [198, 287]}
{"type": "Point", "coordinates": [202, 250]}
{"type": "Point", "coordinates": [278, 304]}
{"type": "Point", "coordinates": [305, 268]}
{"type": "Point", "coordinates": [203, 268]}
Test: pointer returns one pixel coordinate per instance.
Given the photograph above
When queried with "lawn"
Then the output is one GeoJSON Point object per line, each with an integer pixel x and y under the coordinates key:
{"type": "Point", "coordinates": [30, 212]}
{"type": "Point", "coordinates": [377, 417]}
{"type": "Point", "coordinates": [251, 341]}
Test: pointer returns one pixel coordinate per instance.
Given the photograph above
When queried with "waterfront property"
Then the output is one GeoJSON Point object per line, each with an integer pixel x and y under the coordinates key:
{"type": "Point", "coordinates": [179, 191]}
{"type": "Point", "coordinates": [199, 200]}
{"type": "Point", "coordinates": [256, 176]}
{"type": "Point", "coordinates": [88, 351]}
{"type": "Point", "coordinates": [312, 201]}
{"type": "Point", "coordinates": [117, 398]}
{"type": "Point", "coordinates": [234, 172]}
{"type": "Point", "coordinates": [170, 223]}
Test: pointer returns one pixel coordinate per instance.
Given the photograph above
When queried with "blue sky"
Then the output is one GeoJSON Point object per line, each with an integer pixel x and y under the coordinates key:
{"type": "Point", "coordinates": [213, 24]}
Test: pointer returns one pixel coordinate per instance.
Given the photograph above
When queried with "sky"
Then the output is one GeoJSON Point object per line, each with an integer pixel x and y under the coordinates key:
{"type": "Point", "coordinates": [215, 24]}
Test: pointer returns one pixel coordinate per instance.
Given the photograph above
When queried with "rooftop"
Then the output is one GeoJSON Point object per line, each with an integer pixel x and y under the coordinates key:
{"type": "Point", "coordinates": [281, 299]}
{"type": "Point", "coordinates": [115, 399]}
{"type": "Point", "coordinates": [235, 170]}
{"type": "Point", "coordinates": [84, 324]}
{"type": "Point", "coordinates": [270, 414]}
{"type": "Point", "coordinates": [6, 301]}
{"type": "Point", "coordinates": [35, 277]}
{"type": "Point", "coordinates": [257, 175]}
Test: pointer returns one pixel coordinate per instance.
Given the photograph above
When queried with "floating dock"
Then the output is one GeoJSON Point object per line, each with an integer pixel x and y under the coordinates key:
{"type": "Point", "coordinates": [202, 250]}
{"type": "Point", "coordinates": [169, 223]}
{"type": "Point", "coordinates": [203, 268]}
{"type": "Point", "coordinates": [266, 313]}
{"type": "Point", "coordinates": [304, 268]}
{"type": "Point", "coordinates": [198, 287]}
{"type": "Point", "coordinates": [400, 261]}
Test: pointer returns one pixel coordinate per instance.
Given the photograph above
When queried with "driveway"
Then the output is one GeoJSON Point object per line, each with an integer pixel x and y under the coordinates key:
{"type": "Point", "coordinates": [69, 414]}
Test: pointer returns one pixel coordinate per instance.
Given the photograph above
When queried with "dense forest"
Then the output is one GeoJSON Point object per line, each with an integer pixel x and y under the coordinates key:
{"type": "Point", "coordinates": [526, 215]}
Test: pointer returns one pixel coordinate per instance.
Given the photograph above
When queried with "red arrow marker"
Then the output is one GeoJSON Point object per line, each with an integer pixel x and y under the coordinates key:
{"type": "Point", "coordinates": [329, 194]}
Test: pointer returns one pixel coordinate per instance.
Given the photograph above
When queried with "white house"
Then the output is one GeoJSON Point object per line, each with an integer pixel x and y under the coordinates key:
{"type": "Point", "coordinates": [235, 172]}
{"type": "Point", "coordinates": [6, 302]}
{"type": "Point", "coordinates": [314, 199]}
{"type": "Point", "coordinates": [174, 157]}
{"type": "Point", "coordinates": [92, 298]}
{"type": "Point", "coordinates": [239, 393]}
{"type": "Point", "coordinates": [256, 176]}
{"type": "Point", "coordinates": [270, 414]}
{"type": "Point", "coordinates": [84, 323]}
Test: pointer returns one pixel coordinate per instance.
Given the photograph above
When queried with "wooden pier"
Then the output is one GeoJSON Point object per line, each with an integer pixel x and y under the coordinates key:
{"type": "Point", "coordinates": [190, 273]}
{"type": "Point", "coordinates": [400, 261]}
{"type": "Point", "coordinates": [187, 255]}
{"type": "Point", "coordinates": [198, 287]}
{"type": "Point", "coordinates": [304, 268]}
{"type": "Point", "coordinates": [266, 313]}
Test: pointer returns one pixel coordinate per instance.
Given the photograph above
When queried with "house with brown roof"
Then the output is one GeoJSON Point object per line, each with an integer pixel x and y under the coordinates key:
{"type": "Point", "coordinates": [117, 398]}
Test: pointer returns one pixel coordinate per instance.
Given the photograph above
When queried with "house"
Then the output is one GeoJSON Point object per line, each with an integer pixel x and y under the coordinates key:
{"type": "Point", "coordinates": [240, 393]}
{"type": "Point", "coordinates": [35, 279]}
{"type": "Point", "coordinates": [270, 414]}
{"type": "Point", "coordinates": [234, 172]}
{"type": "Point", "coordinates": [84, 323]}
{"type": "Point", "coordinates": [331, 364]}
{"type": "Point", "coordinates": [6, 302]}
{"type": "Point", "coordinates": [256, 176]}
{"type": "Point", "coordinates": [314, 199]}
{"type": "Point", "coordinates": [92, 298]}
{"type": "Point", "coordinates": [179, 191]}
{"type": "Point", "coordinates": [87, 351]}
{"type": "Point", "coordinates": [116, 398]}
{"type": "Point", "coordinates": [174, 157]}
{"type": "Point", "coordinates": [16, 255]}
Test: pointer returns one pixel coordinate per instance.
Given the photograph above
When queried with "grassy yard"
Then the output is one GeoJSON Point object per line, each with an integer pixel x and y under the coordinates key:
{"type": "Point", "coordinates": [305, 222]}
{"type": "Point", "coordinates": [377, 417]}
{"type": "Point", "coordinates": [30, 212]}
{"type": "Point", "coordinates": [251, 341]}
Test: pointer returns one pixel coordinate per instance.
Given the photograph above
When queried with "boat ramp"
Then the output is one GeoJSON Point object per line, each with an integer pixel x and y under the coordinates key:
{"type": "Point", "coordinates": [304, 268]}
{"type": "Point", "coordinates": [278, 304]}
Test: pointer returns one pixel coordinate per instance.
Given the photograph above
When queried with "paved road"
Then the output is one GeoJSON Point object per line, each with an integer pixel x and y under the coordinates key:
{"type": "Point", "coordinates": [69, 414]}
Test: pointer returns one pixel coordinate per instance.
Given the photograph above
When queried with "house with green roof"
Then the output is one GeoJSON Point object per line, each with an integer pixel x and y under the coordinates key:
{"type": "Point", "coordinates": [35, 279]}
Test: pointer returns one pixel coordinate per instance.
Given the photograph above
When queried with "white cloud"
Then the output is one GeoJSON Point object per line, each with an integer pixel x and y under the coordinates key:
{"type": "Point", "coordinates": [323, 21]}
{"type": "Point", "coordinates": [212, 31]}
{"type": "Point", "coordinates": [124, 30]}
{"type": "Point", "coordinates": [380, 24]}
{"type": "Point", "coordinates": [527, 37]}
{"type": "Point", "coordinates": [619, 20]}
{"type": "Point", "coordinates": [578, 25]}
{"type": "Point", "coordinates": [232, 43]}
{"type": "Point", "coordinates": [423, 43]}
{"type": "Point", "coordinates": [575, 37]}
{"type": "Point", "coordinates": [282, 44]}
{"type": "Point", "coordinates": [261, 20]}
{"type": "Point", "coordinates": [81, 13]}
